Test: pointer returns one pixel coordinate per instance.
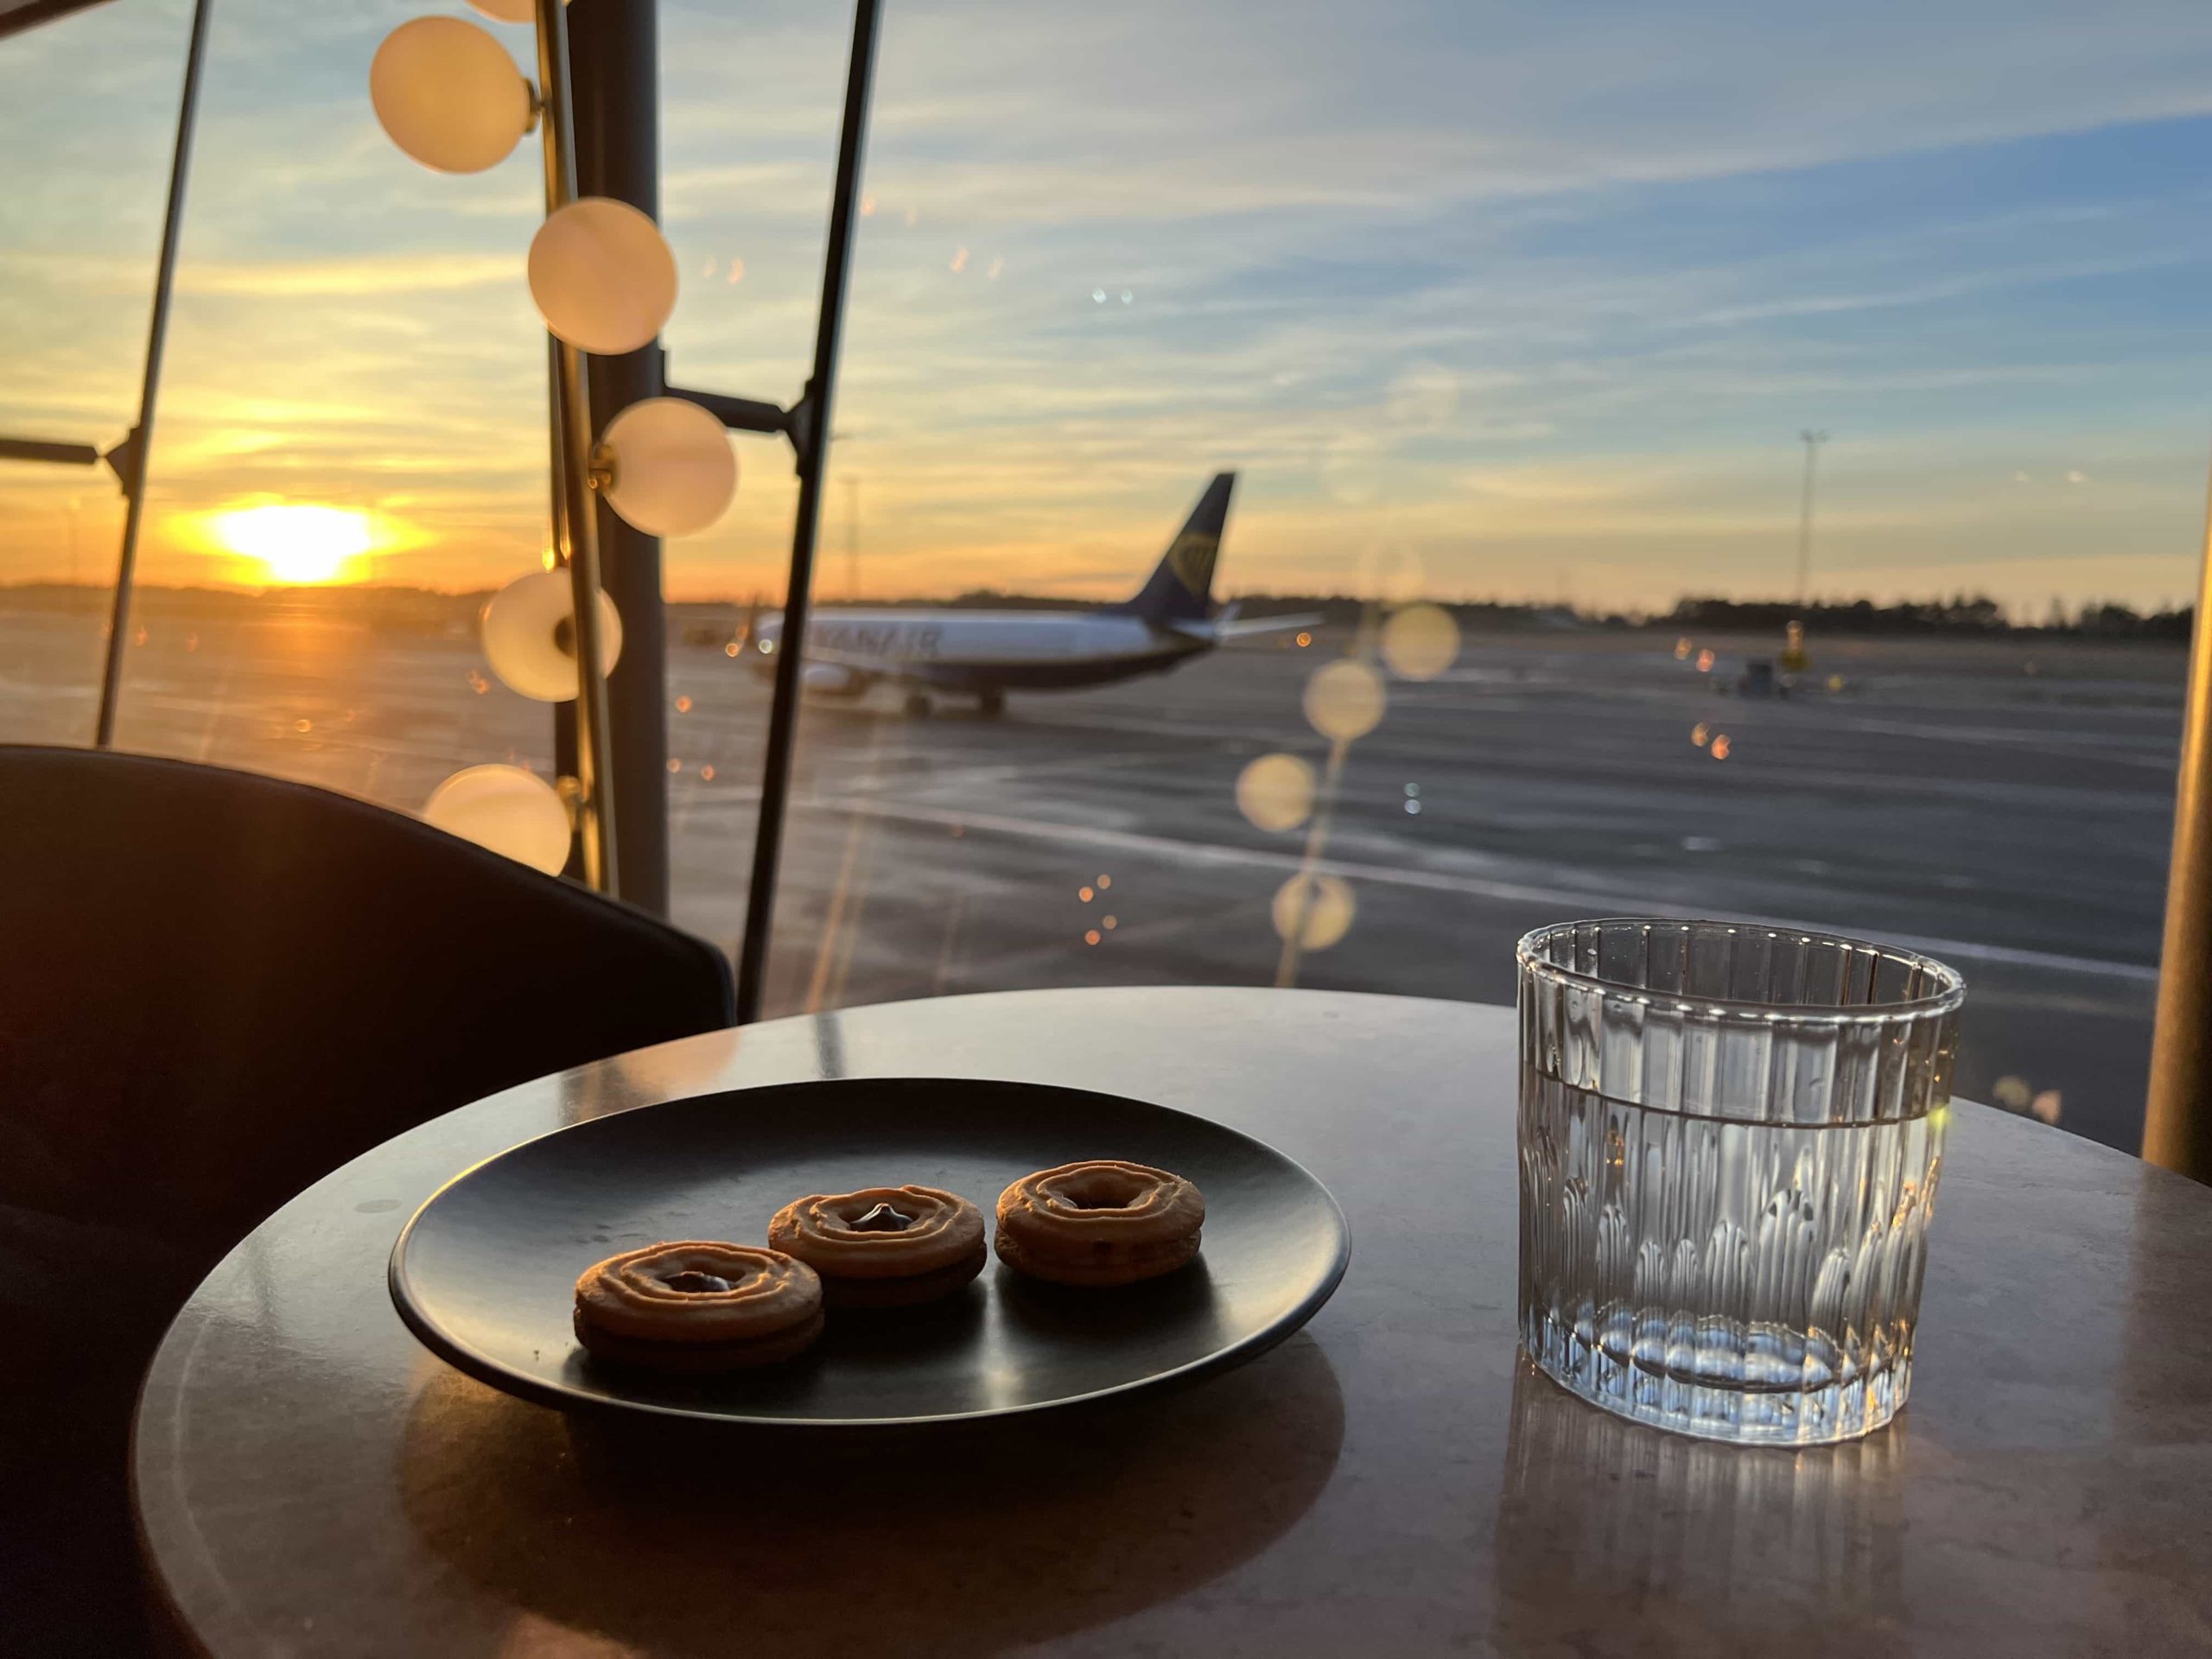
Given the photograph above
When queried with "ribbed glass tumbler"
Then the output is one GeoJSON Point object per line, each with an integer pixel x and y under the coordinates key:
{"type": "Point", "coordinates": [1730, 1138]}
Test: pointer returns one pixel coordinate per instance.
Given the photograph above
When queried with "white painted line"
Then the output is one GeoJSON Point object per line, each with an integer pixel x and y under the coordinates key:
{"type": "Point", "coordinates": [1578, 902]}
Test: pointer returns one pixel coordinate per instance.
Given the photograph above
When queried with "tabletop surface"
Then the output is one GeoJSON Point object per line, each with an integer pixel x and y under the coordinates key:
{"type": "Point", "coordinates": [1392, 1480]}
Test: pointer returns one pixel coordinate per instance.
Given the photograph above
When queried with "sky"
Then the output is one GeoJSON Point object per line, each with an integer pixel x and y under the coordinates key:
{"type": "Point", "coordinates": [1488, 300]}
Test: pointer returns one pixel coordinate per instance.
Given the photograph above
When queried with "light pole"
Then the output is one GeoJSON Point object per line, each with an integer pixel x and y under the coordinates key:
{"type": "Point", "coordinates": [1812, 440]}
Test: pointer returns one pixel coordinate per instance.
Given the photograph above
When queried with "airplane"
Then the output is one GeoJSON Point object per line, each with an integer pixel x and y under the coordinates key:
{"type": "Point", "coordinates": [986, 654]}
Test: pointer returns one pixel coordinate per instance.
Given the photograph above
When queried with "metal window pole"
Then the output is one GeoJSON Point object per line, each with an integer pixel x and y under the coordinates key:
{"type": "Point", "coordinates": [595, 811]}
{"type": "Point", "coordinates": [139, 445]}
{"type": "Point", "coordinates": [2178, 1123]}
{"type": "Point", "coordinates": [64, 454]}
{"type": "Point", "coordinates": [812, 441]}
{"type": "Point", "coordinates": [613, 100]}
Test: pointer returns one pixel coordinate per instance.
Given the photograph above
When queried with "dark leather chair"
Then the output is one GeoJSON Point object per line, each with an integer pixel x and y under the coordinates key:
{"type": "Point", "coordinates": [214, 988]}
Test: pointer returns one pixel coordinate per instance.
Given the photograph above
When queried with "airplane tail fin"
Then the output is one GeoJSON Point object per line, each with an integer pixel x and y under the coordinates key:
{"type": "Point", "coordinates": [1181, 586]}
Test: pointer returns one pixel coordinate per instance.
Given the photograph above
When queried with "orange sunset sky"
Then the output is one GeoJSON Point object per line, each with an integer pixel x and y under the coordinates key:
{"type": "Point", "coordinates": [1534, 306]}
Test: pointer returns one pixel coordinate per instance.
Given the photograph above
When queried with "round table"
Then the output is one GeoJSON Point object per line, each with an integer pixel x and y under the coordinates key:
{"type": "Point", "coordinates": [1392, 1480]}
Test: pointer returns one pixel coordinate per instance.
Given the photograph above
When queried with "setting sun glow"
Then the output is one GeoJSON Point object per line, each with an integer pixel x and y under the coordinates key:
{"type": "Point", "coordinates": [295, 543]}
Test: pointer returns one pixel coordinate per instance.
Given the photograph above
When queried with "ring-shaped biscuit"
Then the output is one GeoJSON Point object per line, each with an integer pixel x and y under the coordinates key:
{"type": "Point", "coordinates": [1099, 1222]}
{"type": "Point", "coordinates": [698, 1304]}
{"type": "Point", "coordinates": [884, 1246]}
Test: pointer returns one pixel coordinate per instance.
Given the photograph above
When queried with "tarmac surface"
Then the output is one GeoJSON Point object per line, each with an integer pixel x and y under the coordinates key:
{"type": "Point", "coordinates": [2005, 805]}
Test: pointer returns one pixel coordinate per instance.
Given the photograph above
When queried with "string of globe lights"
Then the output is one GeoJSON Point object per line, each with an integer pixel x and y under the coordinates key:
{"type": "Point", "coordinates": [603, 278]}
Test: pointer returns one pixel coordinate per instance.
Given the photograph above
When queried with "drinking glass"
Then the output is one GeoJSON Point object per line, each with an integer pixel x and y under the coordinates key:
{"type": "Point", "coordinates": [1730, 1139]}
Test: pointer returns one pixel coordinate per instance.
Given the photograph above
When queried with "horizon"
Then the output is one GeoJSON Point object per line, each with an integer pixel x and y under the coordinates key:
{"type": "Point", "coordinates": [2015, 618]}
{"type": "Point", "coordinates": [1477, 301]}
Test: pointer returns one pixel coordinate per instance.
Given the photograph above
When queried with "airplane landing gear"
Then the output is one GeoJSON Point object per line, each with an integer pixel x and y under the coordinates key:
{"type": "Point", "coordinates": [919, 706]}
{"type": "Point", "coordinates": [991, 704]}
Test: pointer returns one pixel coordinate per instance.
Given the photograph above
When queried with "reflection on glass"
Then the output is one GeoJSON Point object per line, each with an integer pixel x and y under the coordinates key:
{"type": "Point", "coordinates": [1466, 376]}
{"type": "Point", "coordinates": [1603, 1522]}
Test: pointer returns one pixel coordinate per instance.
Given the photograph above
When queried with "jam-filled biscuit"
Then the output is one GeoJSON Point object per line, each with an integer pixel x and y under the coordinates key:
{"type": "Point", "coordinates": [697, 1307]}
{"type": "Point", "coordinates": [884, 1246]}
{"type": "Point", "coordinates": [1100, 1222]}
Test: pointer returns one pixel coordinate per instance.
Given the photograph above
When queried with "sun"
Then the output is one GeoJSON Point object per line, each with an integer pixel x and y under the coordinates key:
{"type": "Point", "coordinates": [295, 543]}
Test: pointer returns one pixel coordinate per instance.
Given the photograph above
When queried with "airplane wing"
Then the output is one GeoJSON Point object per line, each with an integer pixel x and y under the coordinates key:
{"type": "Point", "coordinates": [1226, 627]}
{"type": "Point", "coordinates": [1238, 628]}
{"type": "Point", "coordinates": [829, 658]}
{"type": "Point", "coordinates": [899, 671]}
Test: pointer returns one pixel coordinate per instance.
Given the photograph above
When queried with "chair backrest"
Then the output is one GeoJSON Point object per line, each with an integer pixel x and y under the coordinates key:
{"type": "Point", "coordinates": [216, 987]}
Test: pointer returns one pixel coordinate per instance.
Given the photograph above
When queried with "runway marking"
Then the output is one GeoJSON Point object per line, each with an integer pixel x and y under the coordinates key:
{"type": "Point", "coordinates": [1584, 901]}
{"type": "Point", "coordinates": [2160, 750]}
{"type": "Point", "coordinates": [911, 766]}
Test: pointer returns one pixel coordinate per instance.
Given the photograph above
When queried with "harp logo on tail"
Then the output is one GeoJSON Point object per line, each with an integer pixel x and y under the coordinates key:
{"type": "Point", "coordinates": [1191, 560]}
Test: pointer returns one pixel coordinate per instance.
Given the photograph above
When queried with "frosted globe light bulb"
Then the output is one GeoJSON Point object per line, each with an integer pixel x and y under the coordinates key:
{"type": "Point", "coordinates": [509, 810]}
{"type": "Point", "coordinates": [1421, 641]}
{"type": "Point", "coordinates": [449, 95]}
{"type": "Point", "coordinates": [673, 471]}
{"type": "Point", "coordinates": [602, 275]}
{"type": "Point", "coordinates": [529, 636]}
{"type": "Point", "coordinates": [507, 11]}
{"type": "Point", "coordinates": [1317, 908]}
{"type": "Point", "coordinates": [1275, 791]}
{"type": "Point", "coordinates": [1344, 700]}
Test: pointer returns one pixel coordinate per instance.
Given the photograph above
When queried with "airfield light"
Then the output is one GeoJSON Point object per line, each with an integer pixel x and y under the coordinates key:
{"type": "Point", "coordinates": [1304, 639]}
{"type": "Point", "coordinates": [1343, 700]}
{"type": "Point", "coordinates": [1318, 909]}
{"type": "Point", "coordinates": [1275, 791]}
{"type": "Point", "coordinates": [1700, 734]}
{"type": "Point", "coordinates": [1085, 894]}
{"type": "Point", "coordinates": [1720, 746]}
{"type": "Point", "coordinates": [1421, 641]}
{"type": "Point", "coordinates": [507, 809]}
{"type": "Point", "coordinates": [1091, 936]}
{"type": "Point", "coordinates": [602, 275]}
{"type": "Point", "coordinates": [449, 95]}
{"type": "Point", "coordinates": [529, 636]}
{"type": "Point", "coordinates": [669, 467]}
{"type": "Point", "coordinates": [1105, 882]}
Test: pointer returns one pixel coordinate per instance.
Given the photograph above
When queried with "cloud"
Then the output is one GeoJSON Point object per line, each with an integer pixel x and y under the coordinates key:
{"type": "Point", "coordinates": [384, 275]}
{"type": "Point", "coordinates": [1515, 285]}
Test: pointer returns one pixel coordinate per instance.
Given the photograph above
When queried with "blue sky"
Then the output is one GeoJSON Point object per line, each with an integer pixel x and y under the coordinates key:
{"type": "Point", "coordinates": [1529, 301]}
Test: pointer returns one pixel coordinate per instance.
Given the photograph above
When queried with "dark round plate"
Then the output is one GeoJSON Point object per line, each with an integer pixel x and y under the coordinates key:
{"type": "Point", "coordinates": [485, 1274]}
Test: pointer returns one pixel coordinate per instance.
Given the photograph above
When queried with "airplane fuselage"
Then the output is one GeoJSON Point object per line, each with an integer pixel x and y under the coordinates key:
{"type": "Point", "coordinates": [986, 654]}
{"type": "Point", "coordinates": [976, 651]}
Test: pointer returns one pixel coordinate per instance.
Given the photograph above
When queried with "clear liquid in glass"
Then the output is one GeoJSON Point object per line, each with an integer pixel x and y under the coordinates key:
{"type": "Point", "coordinates": [1741, 1280]}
